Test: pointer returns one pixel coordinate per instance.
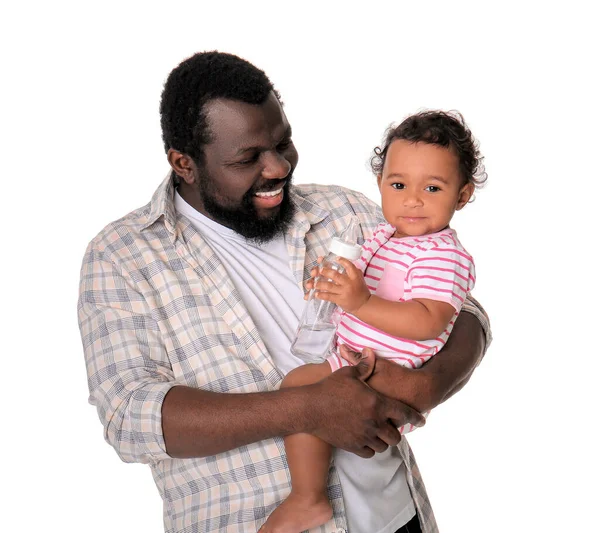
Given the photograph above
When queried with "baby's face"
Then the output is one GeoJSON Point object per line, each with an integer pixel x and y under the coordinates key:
{"type": "Point", "coordinates": [421, 187]}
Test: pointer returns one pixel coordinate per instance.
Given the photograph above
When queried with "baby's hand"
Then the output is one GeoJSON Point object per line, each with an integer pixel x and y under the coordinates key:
{"type": "Point", "coordinates": [314, 273]}
{"type": "Point", "coordinates": [348, 290]}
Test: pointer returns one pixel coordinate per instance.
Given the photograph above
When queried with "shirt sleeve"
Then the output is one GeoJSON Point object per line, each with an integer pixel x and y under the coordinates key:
{"type": "Point", "coordinates": [442, 272]}
{"type": "Point", "coordinates": [471, 305]}
{"type": "Point", "coordinates": [128, 370]}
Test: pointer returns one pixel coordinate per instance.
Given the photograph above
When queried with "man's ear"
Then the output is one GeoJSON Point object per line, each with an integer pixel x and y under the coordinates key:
{"type": "Point", "coordinates": [183, 165]}
{"type": "Point", "coordinates": [464, 195]}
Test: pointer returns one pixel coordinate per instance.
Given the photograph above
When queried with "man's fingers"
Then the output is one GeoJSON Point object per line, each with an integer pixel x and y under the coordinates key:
{"type": "Point", "coordinates": [385, 437]}
{"type": "Point", "coordinates": [400, 413]}
{"type": "Point", "coordinates": [350, 355]}
{"type": "Point", "coordinates": [365, 364]}
{"type": "Point", "coordinates": [365, 452]}
{"type": "Point", "coordinates": [371, 426]}
{"type": "Point", "coordinates": [379, 445]}
{"type": "Point", "coordinates": [389, 435]}
{"type": "Point", "coordinates": [364, 361]}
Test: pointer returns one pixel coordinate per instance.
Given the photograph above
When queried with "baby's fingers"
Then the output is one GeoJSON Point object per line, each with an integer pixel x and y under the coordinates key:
{"type": "Point", "coordinates": [315, 271]}
{"type": "Point", "coordinates": [349, 267]}
{"type": "Point", "coordinates": [310, 283]}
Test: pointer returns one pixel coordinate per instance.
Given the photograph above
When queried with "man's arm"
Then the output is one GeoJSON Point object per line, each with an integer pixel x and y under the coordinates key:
{"type": "Point", "coordinates": [442, 376]}
{"type": "Point", "coordinates": [198, 423]}
{"type": "Point", "coordinates": [149, 416]}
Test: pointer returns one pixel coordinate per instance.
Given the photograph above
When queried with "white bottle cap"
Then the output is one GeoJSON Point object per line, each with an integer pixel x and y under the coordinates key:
{"type": "Point", "coordinates": [344, 249]}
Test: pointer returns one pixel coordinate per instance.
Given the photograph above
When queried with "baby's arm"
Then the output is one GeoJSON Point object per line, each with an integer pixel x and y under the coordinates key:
{"type": "Point", "coordinates": [417, 319]}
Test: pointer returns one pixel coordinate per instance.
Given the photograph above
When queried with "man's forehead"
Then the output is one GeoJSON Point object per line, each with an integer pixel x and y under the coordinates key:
{"type": "Point", "coordinates": [238, 126]}
{"type": "Point", "coordinates": [236, 114]}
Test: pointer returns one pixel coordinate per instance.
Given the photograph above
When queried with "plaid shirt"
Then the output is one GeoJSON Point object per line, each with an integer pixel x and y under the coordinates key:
{"type": "Point", "coordinates": [156, 310]}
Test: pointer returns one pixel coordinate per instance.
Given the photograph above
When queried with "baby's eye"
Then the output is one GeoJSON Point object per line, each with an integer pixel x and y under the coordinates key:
{"type": "Point", "coordinates": [398, 185]}
{"type": "Point", "coordinates": [432, 188]}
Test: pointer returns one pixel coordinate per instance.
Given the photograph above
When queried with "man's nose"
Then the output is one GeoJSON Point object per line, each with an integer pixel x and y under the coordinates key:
{"type": "Point", "coordinates": [276, 166]}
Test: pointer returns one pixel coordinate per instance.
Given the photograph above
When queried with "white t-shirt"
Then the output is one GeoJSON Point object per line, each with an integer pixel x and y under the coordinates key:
{"type": "Point", "coordinates": [375, 491]}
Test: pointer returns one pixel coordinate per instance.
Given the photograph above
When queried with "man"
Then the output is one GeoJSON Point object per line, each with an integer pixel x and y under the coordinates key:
{"type": "Point", "coordinates": [188, 307]}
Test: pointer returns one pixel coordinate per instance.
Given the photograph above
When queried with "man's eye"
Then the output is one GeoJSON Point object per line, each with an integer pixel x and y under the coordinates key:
{"type": "Point", "coordinates": [432, 188]}
{"type": "Point", "coordinates": [284, 145]}
{"type": "Point", "coordinates": [398, 185]}
{"type": "Point", "coordinates": [248, 161]}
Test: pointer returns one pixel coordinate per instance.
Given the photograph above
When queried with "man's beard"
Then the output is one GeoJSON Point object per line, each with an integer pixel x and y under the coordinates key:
{"type": "Point", "coordinates": [244, 219]}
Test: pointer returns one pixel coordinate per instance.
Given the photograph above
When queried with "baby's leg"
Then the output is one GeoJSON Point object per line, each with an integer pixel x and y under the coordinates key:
{"type": "Point", "coordinates": [308, 457]}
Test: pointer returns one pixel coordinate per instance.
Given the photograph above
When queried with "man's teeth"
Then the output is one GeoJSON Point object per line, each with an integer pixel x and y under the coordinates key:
{"type": "Point", "coordinates": [270, 193]}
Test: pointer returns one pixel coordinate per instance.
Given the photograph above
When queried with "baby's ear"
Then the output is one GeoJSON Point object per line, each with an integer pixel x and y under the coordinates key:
{"type": "Point", "coordinates": [464, 195]}
{"type": "Point", "coordinates": [379, 180]}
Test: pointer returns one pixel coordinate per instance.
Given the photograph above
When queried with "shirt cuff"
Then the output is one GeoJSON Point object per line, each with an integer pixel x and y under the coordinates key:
{"type": "Point", "coordinates": [471, 305]}
{"type": "Point", "coordinates": [135, 430]}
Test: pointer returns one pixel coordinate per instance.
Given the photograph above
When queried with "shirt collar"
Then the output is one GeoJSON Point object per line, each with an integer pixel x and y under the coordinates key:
{"type": "Point", "coordinates": [307, 209]}
{"type": "Point", "coordinates": [163, 205]}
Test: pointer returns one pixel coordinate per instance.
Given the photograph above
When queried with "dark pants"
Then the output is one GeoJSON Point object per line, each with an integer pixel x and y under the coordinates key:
{"type": "Point", "coordinates": [412, 527]}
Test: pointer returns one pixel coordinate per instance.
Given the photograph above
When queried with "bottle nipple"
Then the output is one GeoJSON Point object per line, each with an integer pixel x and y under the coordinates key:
{"type": "Point", "coordinates": [346, 244]}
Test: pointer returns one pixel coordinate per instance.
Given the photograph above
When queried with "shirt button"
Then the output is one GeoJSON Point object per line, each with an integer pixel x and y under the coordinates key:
{"type": "Point", "coordinates": [340, 530]}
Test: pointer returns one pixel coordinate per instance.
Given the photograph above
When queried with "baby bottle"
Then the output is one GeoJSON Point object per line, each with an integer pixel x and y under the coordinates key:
{"type": "Point", "coordinates": [320, 318]}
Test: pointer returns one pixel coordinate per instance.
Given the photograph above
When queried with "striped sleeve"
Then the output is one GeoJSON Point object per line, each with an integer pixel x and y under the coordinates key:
{"type": "Point", "coordinates": [441, 272]}
{"type": "Point", "coordinates": [380, 236]}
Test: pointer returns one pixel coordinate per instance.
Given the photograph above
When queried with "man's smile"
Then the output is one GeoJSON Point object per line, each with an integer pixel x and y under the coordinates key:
{"type": "Point", "coordinates": [270, 193]}
{"type": "Point", "coordinates": [268, 199]}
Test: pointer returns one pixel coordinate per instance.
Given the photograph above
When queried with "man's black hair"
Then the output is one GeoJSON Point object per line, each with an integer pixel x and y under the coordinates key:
{"type": "Point", "coordinates": [199, 79]}
{"type": "Point", "coordinates": [447, 129]}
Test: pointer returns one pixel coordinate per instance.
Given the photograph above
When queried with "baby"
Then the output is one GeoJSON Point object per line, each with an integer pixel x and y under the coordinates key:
{"type": "Point", "coordinates": [402, 296]}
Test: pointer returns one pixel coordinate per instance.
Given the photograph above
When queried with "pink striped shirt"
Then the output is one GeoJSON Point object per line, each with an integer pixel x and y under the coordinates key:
{"type": "Point", "coordinates": [433, 267]}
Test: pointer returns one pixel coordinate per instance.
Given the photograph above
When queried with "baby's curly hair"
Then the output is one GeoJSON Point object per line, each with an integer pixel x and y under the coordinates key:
{"type": "Point", "coordinates": [203, 77]}
{"type": "Point", "coordinates": [447, 129]}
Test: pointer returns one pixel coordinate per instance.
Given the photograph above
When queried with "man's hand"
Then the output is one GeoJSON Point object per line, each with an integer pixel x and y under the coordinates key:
{"type": "Point", "coordinates": [348, 414]}
{"type": "Point", "coordinates": [348, 289]}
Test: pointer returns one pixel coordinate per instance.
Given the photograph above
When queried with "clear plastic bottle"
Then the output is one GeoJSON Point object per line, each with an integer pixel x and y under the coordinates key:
{"type": "Point", "coordinates": [320, 318]}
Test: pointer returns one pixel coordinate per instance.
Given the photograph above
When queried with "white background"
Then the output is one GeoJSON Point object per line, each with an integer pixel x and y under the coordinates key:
{"type": "Point", "coordinates": [81, 146]}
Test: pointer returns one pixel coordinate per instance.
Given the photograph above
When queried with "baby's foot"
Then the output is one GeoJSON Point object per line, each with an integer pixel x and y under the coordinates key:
{"type": "Point", "coordinates": [298, 513]}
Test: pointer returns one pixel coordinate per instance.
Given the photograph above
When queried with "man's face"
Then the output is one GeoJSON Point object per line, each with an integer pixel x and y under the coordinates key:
{"type": "Point", "coordinates": [244, 181]}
